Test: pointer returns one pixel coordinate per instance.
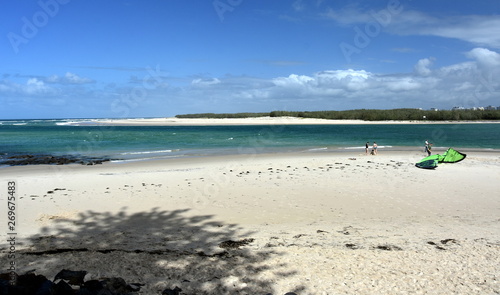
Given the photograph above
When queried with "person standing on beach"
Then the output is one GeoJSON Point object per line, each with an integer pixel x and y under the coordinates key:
{"type": "Point", "coordinates": [428, 148]}
{"type": "Point", "coordinates": [374, 150]}
{"type": "Point", "coordinates": [366, 147]}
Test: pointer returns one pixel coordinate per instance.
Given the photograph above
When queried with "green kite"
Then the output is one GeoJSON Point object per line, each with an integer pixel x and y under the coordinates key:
{"type": "Point", "coordinates": [450, 156]}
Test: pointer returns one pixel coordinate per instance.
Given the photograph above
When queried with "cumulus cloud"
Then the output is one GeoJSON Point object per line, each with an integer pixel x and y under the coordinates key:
{"type": "Point", "coordinates": [33, 87]}
{"type": "Point", "coordinates": [444, 87]}
{"type": "Point", "coordinates": [473, 82]}
{"type": "Point", "coordinates": [485, 58]}
{"type": "Point", "coordinates": [422, 66]}
{"type": "Point", "coordinates": [293, 81]}
{"type": "Point", "coordinates": [455, 84]}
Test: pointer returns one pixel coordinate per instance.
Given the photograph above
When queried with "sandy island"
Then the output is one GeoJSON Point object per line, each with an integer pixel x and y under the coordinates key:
{"type": "Point", "coordinates": [330, 223]}
{"type": "Point", "coordinates": [244, 121]}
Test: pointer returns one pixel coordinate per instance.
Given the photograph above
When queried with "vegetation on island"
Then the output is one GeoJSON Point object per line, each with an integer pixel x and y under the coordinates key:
{"type": "Point", "coordinates": [368, 115]}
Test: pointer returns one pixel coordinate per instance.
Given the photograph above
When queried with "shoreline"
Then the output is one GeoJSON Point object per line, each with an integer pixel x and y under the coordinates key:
{"type": "Point", "coordinates": [332, 222]}
{"type": "Point", "coordinates": [235, 152]}
{"type": "Point", "coordinates": [246, 121]}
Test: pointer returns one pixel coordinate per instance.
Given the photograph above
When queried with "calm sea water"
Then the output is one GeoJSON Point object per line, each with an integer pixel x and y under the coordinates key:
{"type": "Point", "coordinates": [140, 142]}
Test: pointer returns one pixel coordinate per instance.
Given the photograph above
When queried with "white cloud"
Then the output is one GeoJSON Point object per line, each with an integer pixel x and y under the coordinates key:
{"type": "Point", "coordinates": [485, 58]}
{"type": "Point", "coordinates": [68, 78]}
{"type": "Point", "coordinates": [403, 84]}
{"type": "Point", "coordinates": [355, 88]}
{"type": "Point", "coordinates": [205, 82]}
{"type": "Point", "coordinates": [461, 70]}
{"type": "Point", "coordinates": [481, 30]}
{"type": "Point", "coordinates": [425, 86]}
{"type": "Point", "coordinates": [474, 82]}
{"type": "Point", "coordinates": [293, 81]}
{"type": "Point", "coordinates": [422, 66]}
{"type": "Point", "coordinates": [75, 79]}
{"type": "Point", "coordinates": [348, 16]}
{"type": "Point", "coordinates": [35, 86]}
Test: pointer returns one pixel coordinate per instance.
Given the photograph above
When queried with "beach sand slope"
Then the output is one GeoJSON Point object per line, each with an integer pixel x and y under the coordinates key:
{"type": "Point", "coordinates": [311, 223]}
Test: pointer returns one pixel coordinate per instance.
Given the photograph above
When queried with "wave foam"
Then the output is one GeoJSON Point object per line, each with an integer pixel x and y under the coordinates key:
{"type": "Point", "coordinates": [148, 152]}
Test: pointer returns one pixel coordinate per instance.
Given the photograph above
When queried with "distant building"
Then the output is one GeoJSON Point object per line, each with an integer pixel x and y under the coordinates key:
{"type": "Point", "coordinates": [434, 109]}
{"type": "Point", "coordinates": [458, 108]}
{"type": "Point", "coordinates": [490, 108]}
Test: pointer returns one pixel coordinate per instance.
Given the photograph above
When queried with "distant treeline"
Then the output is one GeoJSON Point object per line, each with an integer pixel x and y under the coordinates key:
{"type": "Point", "coordinates": [369, 115]}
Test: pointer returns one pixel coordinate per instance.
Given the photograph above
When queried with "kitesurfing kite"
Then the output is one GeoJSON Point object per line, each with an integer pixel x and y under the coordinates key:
{"type": "Point", "coordinates": [450, 156]}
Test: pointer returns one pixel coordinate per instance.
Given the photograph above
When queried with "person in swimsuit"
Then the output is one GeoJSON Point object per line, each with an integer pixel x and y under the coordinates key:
{"type": "Point", "coordinates": [374, 150]}
{"type": "Point", "coordinates": [366, 148]}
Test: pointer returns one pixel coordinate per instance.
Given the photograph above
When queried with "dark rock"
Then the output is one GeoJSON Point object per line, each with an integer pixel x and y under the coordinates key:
{"type": "Point", "coordinates": [352, 246]}
{"type": "Point", "coordinates": [135, 287]}
{"type": "Point", "coordinates": [21, 157]}
{"type": "Point", "coordinates": [47, 288]}
{"type": "Point", "coordinates": [389, 248]}
{"type": "Point", "coordinates": [4, 286]}
{"type": "Point", "coordinates": [116, 285]}
{"type": "Point", "coordinates": [73, 277]}
{"type": "Point", "coordinates": [93, 285]}
{"type": "Point", "coordinates": [446, 241]}
{"type": "Point", "coordinates": [67, 282]}
{"type": "Point", "coordinates": [63, 288]}
{"type": "Point", "coordinates": [174, 291]}
{"type": "Point", "coordinates": [22, 160]}
{"type": "Point", "coordinates": [235, 244]}
{"type": "Point", "coordinates": [31, 282]}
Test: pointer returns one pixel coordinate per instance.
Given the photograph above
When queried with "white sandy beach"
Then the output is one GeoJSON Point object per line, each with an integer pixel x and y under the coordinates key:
{"type": "Point", "coordinates": [245, 121]}
{"type": "Point", "coordinates": [329, 223]}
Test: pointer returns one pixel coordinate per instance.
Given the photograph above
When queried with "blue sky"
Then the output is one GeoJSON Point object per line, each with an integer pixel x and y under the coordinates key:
{"type": "Point", "coordinates": [159, 58]}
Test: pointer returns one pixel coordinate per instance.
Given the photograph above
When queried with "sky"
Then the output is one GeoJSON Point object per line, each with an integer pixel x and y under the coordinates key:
{"type": "Point", "coordinates": [161, 58]}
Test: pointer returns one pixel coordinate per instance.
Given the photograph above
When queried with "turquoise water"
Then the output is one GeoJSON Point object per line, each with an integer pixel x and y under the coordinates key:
{"type": "Point", "coordinates": [138, 142]}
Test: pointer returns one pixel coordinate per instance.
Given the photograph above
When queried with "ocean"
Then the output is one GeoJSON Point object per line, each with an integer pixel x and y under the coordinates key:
{"type": "Point", "coordinates": [132, 143]}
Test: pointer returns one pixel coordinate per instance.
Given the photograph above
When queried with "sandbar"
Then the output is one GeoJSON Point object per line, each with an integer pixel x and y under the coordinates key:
{"type": "Point", "coordinates": [244, 121]}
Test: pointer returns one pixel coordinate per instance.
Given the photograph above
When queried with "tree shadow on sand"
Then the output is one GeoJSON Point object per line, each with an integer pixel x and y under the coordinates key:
{"type": "Point", "coordinates": [161, 249]}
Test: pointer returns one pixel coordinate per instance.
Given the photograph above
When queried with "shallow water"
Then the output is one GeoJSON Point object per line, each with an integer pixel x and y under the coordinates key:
{"type": "Point", "coordinates": [143, 142]}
